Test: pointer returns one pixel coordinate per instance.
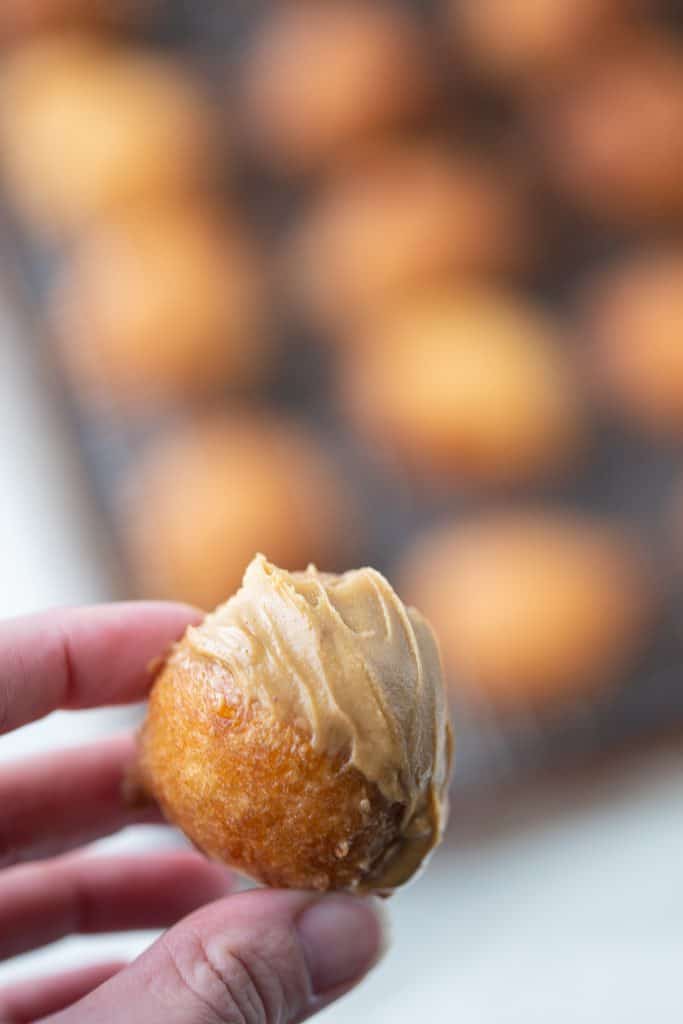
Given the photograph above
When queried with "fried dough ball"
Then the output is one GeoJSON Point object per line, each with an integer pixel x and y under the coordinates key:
{"type": "Point", "coordinates": [205, 498]}
{"type": "Point", "coordinates": [160, 306]}
{"type": "Point", "coordinates": [472, 384]}
{"type": "Point", "coordinates": [300, 734]}
{"type": "Point", "coordinates": [21, 17]}
{"type": "Point", "coordinates": [533, 608]}
{"type": "Point", "coordinates": [323, 77]}
{"type": "Point", "coordinates": [636, 321]}
{"type": "Point", "coordinates": [614, 137]}
{"type": "Point", "coordinates": [86, 127]}
{"type": "Point", "coordinates": [528, 42]}
{"type": "Point", "coordinates": [409, 214]}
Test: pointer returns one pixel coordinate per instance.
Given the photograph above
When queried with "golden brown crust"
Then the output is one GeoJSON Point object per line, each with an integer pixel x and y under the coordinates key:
{"type": "Point", "coordinates": [531, 42]}
{"type": "Point", "coordinates": [20, 17]}
{"type": "Point", "coordinates": [247, 477]}
{"type": "Point", "coordinates": [162, 305]}
{"type": "Point", "coordinates": [323, 77]}
{"type": "Point", "coordinates": [613, 137]}
{"type": "Point", "coordinates": [634, 314]}
{"type": "Point", "coordinates": [534, 608]}
{"type": "Point", "coordinates": [474, 384]}
{"type": "Point", "coordinates": [251, 791]}
{"type": "Point", "coordinates": [402, 215]}
{"type": "Point", "coordinates": [62, 169]}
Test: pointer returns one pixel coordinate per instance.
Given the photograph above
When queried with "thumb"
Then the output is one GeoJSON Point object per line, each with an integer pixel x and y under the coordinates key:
{"type": "Point", "coordinates": [262, 957]}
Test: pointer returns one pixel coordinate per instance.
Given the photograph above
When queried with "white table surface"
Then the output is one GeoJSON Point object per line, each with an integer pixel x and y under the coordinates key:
{"type": "Point", "coordinates": [576, 917]}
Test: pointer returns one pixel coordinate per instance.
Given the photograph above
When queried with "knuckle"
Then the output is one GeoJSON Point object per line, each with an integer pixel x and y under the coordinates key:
{"type": "Point", "coordinates": [229, 986]}
{"type": "Point", "coordinates": [193, 979]}
{"type": "Point", "coordinates": [255, 985]}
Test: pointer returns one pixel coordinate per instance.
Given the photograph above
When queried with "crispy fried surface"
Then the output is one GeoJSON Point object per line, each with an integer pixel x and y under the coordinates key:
{"type": "Point", "coordinates": [534, 609]}
{"type": "Point", "coordinates": [251, 791]}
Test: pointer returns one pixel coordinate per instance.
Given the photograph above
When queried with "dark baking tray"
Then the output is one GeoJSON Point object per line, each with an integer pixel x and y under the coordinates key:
{"type": "Point", "coordinates": [624, 477]}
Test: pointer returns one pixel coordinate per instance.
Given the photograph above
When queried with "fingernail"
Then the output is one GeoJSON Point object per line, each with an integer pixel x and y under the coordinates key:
{"type": "Point", "coordinates": [343, 937]}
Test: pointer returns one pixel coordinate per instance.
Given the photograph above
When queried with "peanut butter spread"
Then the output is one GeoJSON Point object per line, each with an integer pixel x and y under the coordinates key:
{"type": "Point", "coordinates": [343, 659]}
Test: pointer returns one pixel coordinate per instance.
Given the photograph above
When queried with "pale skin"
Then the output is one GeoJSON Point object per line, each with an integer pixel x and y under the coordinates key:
{"type": "Point", "coordinates": [260, 957]}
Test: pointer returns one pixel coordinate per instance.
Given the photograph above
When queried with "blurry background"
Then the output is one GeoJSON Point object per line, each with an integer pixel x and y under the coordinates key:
{"type": "Point", "coordinates": [385, 283]}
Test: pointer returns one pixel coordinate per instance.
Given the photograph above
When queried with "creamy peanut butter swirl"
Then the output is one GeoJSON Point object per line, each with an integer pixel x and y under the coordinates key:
{"type": "Point", "coordinates": [342, 658]}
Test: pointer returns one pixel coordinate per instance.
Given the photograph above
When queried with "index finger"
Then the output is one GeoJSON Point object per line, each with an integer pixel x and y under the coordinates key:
{"type": "Point", "coordinates": [83, 657]}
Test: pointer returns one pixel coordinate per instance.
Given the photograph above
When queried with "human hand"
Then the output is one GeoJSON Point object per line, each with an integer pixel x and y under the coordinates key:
{"type": "Point", "coordinates": [255, 958]}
